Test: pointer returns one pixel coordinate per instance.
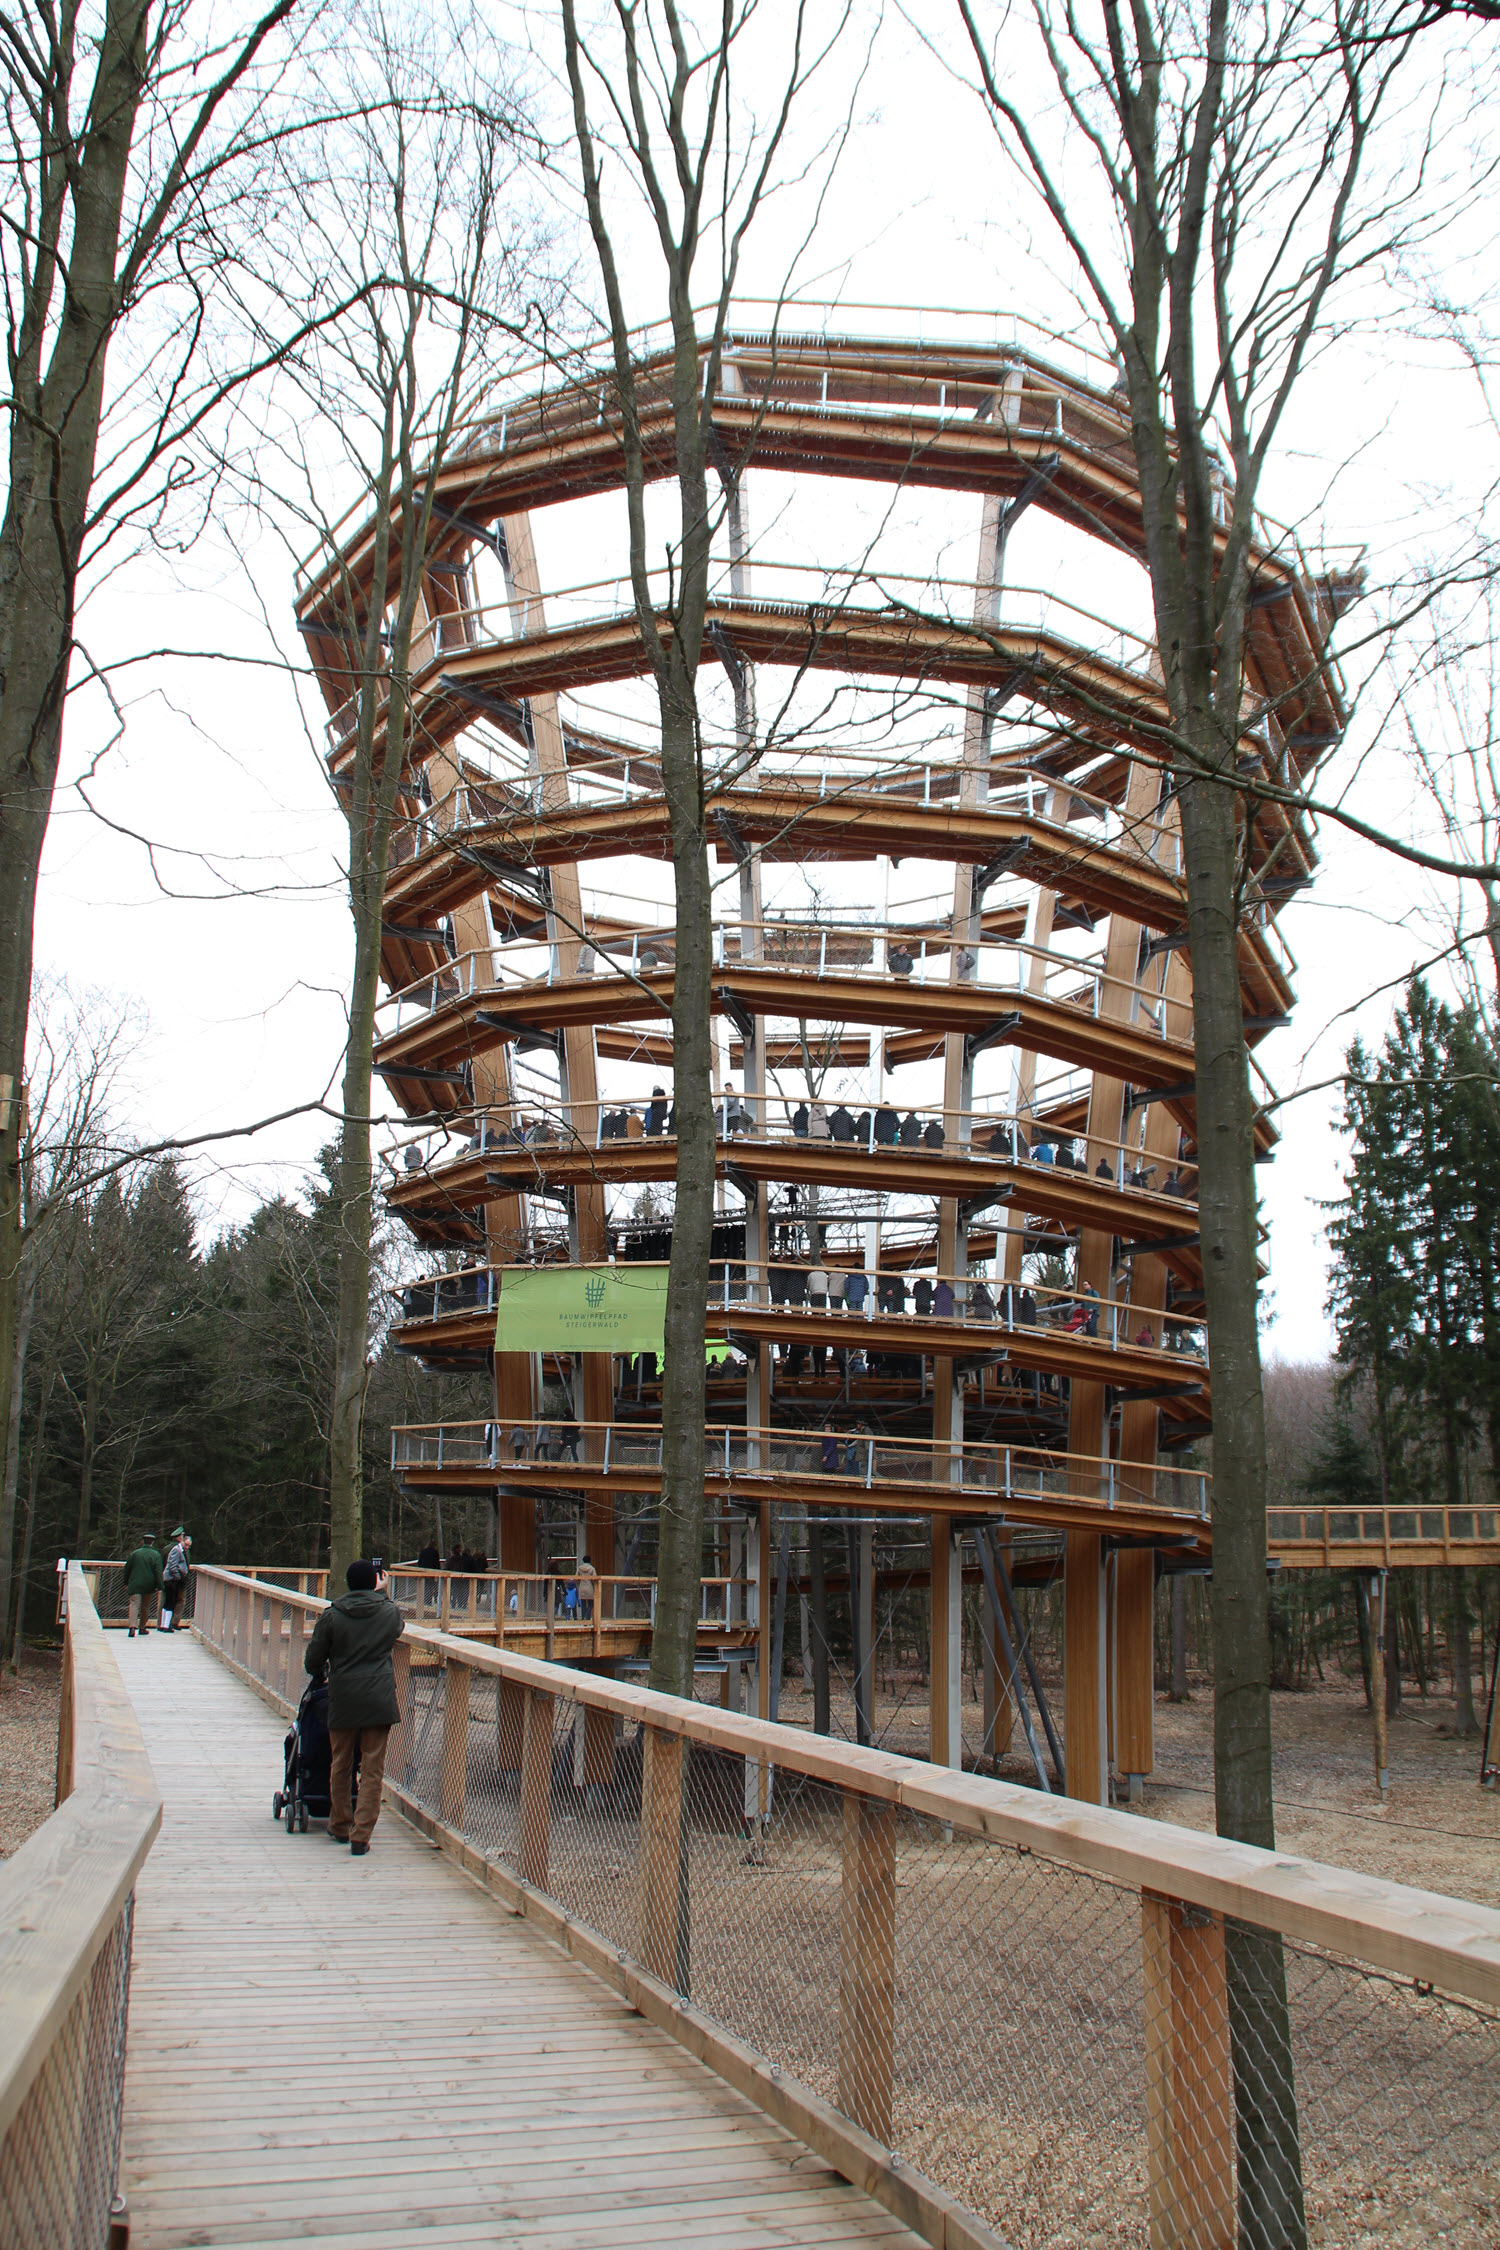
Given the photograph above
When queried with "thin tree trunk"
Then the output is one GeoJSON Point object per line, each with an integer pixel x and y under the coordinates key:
{"type": "Point", "coordinates": [817, 1571]}
{"type": "Point", "coordinates": [86, 1469]}
{"type": "Point", "coordinates": [16, 1632]}
{"type": "Point", "coordinates": [13, 1443]}
{"type": "Point", "coordinates": [1366, 1652]}
{"type": "Point", "coordinates": [1179, 1675]}
{"type": "Point", "coordinates": [1463, 1655]}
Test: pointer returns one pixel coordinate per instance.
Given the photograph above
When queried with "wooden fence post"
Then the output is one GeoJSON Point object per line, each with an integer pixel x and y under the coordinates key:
{"type": "Point", "coordinates": [867, 1965]}
{"type": "Point", "coordinates": [455, 1740]}
{"type": "Point", "coordinates": [297, 1638]}
{"type": "Point", "coordinates": [536, 1787]}
{"type": "Point", "coordinates": [664, 1918]}
{"type": "Point", "coordinates": [1189, 2082]}
{"type": "Point", "coordinates": [399, 1755]}
{"type": "Point", "coordinates": [598, 1747]}
{"type": "Point", "coordinates": [63, 1780]}
{"type": "Point", "coordinates": [510, 1725]}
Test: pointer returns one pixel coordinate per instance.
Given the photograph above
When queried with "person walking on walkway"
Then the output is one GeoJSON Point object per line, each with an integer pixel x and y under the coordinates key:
{"type": "Point", "coordinates": [174, 1581]}
{"type": "Point", "coordinates": [354, 1638]}
{"type": "Point", "coordinates": [142, 1582]}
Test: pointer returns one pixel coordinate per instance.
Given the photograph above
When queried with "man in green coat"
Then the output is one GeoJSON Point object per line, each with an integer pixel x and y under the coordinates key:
{"type": "Point", "coordinates": [354, 1638]}
{"type": "Point", "coordinates": [142, 1584]}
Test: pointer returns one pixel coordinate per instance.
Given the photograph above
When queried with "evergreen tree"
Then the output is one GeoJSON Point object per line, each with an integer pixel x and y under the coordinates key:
{"type": "Point", "coordinates": [1414, 1286]}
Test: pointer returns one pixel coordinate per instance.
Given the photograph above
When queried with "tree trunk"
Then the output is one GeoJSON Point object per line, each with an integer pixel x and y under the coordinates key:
{"type": "Point", "coordinates": [1179, 1676]}
{"type": "Point", "coordinates": [54, 435]}
{"type": "Point", "coordinates": [356, 1218]}
{"type": "Point", "coordinates": [674, 1639]}
{"type": "Point", "coordinates": [15, 1633]}
{"type": "Point", "coordinates": [1227, 1222]}
{"type": "Point", "coordinates": [1463, 1655]}
{"type": "Point", "coordinates": [86, 1468]}
{"type": "Point", "coordinates": [817, 1572]}
{"type": "Point", "coordinates": [1366, 1652]}
{"type": "Point", "coordinates": [13, 1445]}
{"type": "Point", "coordinates": [1272, 2210]}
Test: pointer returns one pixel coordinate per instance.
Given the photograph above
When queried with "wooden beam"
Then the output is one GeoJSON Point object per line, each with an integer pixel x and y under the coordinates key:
{"type": "Point", "coordinates": [1190, 2111]}
{"type": "Point", "coordinates": [867, 1965]}
{"type": "Point", "coordinates": [663, 1935]}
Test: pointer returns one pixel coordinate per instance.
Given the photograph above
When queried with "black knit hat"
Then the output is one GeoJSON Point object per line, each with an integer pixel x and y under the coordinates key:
{"type": "Point", "coordinates": [361, 1577]}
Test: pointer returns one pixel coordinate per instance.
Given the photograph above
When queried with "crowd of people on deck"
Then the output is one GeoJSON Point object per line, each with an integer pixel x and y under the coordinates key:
{"type": "Point", "coordinates": [574, 1594]}
{"type": "Point", "coordinates": [882, 1126]}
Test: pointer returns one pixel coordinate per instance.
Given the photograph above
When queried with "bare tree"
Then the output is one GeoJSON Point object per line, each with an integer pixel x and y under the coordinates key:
{"type": "Point", "coordinates": [402, 208]}
{"type": "Point", "coordinates": [79, 1045]}
{"type": "Point", "coordinates": [654, 92]}
{"type": "Point", "coordinates": [138, 153]}
{"type": "Point", "coordinates": [1227, 194]}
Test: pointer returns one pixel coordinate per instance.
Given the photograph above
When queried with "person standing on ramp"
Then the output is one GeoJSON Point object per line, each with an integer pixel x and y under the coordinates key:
{"type": "Point", "coordinates": [354, 1638]}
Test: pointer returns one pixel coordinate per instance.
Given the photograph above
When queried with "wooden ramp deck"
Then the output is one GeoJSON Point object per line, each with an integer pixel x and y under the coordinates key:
{"type": "Point", "coordinates": [372, 2052]}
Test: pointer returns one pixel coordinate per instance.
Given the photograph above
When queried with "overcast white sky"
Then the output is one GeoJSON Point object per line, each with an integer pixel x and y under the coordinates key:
{"type": "Point", "coordinates": [241, 995]}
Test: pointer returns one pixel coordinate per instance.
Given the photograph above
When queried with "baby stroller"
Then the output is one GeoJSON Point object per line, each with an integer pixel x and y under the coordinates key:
{"type": "Point", "coordinates": [309, 1753]}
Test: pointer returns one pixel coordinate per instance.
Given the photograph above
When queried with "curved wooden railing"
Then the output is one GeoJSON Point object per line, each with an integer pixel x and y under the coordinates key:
{"type": "Point", "coordinates": [917, 1970]}
{"type": "Point", "coordinates": [66, 1900]}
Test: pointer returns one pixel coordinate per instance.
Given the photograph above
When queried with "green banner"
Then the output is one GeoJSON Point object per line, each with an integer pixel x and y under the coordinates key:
{"type": "Point", "coordinates": [582, 1309]}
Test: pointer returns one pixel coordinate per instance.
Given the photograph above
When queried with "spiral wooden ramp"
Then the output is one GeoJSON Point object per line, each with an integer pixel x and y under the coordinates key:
{"type": "Point", "coordinates": [983, 1101]}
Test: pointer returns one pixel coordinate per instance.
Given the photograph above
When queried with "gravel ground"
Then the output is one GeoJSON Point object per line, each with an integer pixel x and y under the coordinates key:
{"type": "Point", "coordinates": [1437, 1829]}
{"type": "Point", "coordinates": [28, 1746]}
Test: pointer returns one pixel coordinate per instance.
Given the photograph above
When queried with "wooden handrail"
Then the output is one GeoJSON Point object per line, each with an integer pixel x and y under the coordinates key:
{"type": "Point", "coordinates": [1448, 1942]}
{"type": "Point", "coordinates": [63, 1892]}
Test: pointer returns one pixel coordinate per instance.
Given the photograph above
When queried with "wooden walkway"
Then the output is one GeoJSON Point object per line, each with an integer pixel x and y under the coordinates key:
{"type": "Point", "coordinates": [370, 2051]}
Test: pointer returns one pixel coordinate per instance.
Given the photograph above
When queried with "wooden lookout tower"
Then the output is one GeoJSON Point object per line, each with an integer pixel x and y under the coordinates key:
{"type": "Point", "coordinates": [956, 1303]}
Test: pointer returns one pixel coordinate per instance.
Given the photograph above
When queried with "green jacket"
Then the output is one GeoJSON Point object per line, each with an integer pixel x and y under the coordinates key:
{"type": "Point", "coordinates": [354, 1638]}
{"type": "Point", "coordinates": [143, 1570]}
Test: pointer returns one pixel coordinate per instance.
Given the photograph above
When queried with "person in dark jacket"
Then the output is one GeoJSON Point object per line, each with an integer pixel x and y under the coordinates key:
{"type": "Point", "coordinates": [142, 1584]}
{"type": "Point", "coordinates": [354, 1638]}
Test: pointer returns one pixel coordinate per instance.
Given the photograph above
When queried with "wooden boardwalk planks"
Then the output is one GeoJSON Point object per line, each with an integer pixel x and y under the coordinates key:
{"type": "Point", "coordinates": [369, 2051]}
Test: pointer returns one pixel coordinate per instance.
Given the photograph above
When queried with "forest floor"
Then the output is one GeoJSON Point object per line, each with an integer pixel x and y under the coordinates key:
{"type": "Point", "coordinates": [28, 1746]}
{"type": "Point", "coordinates": [1437, 1829]}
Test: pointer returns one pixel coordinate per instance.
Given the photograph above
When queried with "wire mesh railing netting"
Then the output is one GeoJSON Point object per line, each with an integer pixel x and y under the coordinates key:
{"type": "Point", "coordinates": [1079, 2062]}
{"type": "Point", "coordinates": [997, 2017]}
{"type": "Point", "coordinates": [60, 2159]}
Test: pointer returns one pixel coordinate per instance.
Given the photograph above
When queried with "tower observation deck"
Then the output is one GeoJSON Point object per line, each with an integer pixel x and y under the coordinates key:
{"type": "Point", "coordinates": [956, 1310]}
